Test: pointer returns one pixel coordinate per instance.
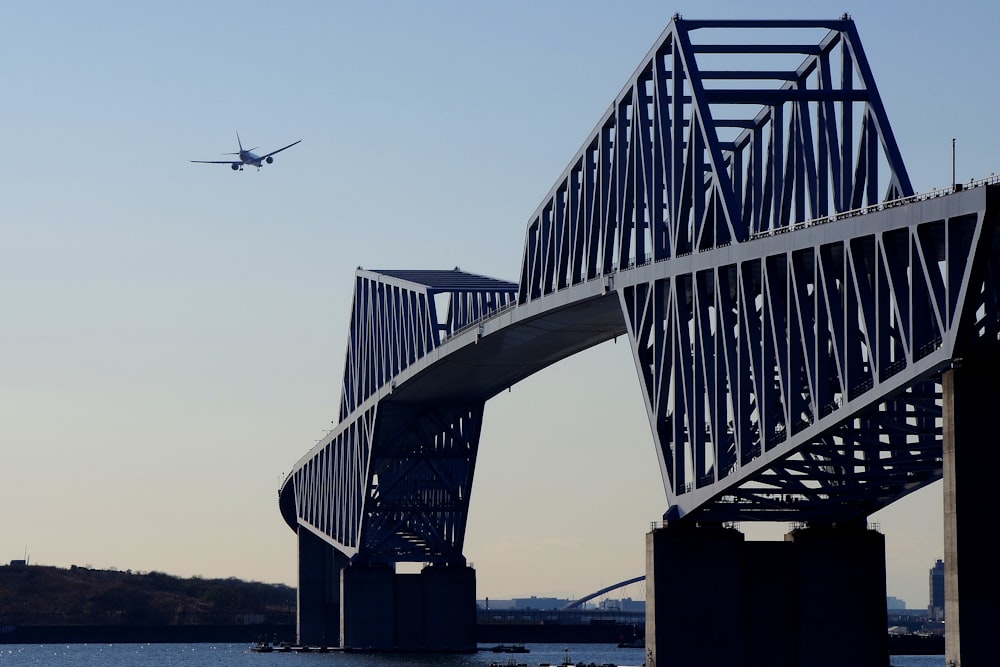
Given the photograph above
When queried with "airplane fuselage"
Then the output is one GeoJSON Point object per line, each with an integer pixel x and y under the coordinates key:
{"type": "Point", "coordinates": [249, 158]}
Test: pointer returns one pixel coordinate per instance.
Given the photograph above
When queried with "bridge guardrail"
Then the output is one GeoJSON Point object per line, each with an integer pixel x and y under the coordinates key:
{"type": "Point", "coordinates": [924, 196]}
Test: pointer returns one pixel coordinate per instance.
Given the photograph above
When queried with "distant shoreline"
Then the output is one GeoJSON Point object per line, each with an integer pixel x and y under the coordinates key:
{"type": "Point", "coordinates": [228, 634]}
{"type": "Point", "coordinates": [150, 634]}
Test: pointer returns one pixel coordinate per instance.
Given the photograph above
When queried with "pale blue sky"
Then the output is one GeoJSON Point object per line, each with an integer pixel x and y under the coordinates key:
{"type": "Point", "coordinates": [172, 335]}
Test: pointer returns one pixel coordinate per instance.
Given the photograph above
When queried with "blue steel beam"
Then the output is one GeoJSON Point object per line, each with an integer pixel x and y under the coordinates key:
{"type": "Point", "coordinates": [661, 183]}
{"type": "Point", "coordinates": [796, 377]}
{"type": "Point", "coordinates": [664, 175]}
{"type": "Point", "coordinates": [395, 321]}
{"type": "Point", "coordinates": [788, 322]}
{"type": "Point", "coordinates": [392, 483]}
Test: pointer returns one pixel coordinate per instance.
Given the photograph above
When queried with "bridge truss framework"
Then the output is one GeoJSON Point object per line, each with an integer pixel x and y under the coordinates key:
{"type": "Point", "coordinates": [796, 315]}
{"type": "Point", "coordinates": [789, 319]}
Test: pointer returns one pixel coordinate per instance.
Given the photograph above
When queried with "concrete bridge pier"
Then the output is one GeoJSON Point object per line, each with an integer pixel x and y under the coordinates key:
{"type": "Point", "coordinates": [318, 591]}
{"type": "Point", "coordinates": [840, 613]}
{"type": "Point", "coordinates": [371, 607]}
{"type": "Point", "coordinates": [434, 610]}
{"type": "Point", "coordinates": [971, 396]}
{"type": "Point", "coordinates": [816, 599]}
{"type": "Point", "coordinates": [694, 598]}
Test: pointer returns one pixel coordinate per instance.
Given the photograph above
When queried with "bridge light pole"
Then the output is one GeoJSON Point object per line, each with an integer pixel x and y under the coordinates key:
{"type": "Point", "coordinates": [953, 163]}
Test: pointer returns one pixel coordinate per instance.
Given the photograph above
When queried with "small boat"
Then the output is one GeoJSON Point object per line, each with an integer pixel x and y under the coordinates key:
{"type": "Point", "coordinates": [510, 648]}
{"type": "Point", "coordinates": [511, 662]}
{"type": "Point", "coordinates": [262, 647]}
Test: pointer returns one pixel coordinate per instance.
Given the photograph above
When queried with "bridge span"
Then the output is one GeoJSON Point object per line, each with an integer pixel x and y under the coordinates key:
{"type": "Point", "coordinates": [813, 341]}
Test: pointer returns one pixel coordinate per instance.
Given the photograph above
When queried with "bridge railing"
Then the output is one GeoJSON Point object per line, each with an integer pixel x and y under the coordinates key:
{"type": "Point", "coordinates": [479, 323]}
{"type": "Point", "coordinates": [833, 217]}
{"type": "Point", "coordinates": [890, 203]}
{"type": "Point", "coordinates": [736, 525]}
{"type": "Point", "coordinates": [510, 306]}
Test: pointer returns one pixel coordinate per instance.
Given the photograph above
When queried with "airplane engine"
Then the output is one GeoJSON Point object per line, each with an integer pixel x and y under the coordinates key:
{"type": "Point", "coordinates": [270, 160]}
{"type": "Point", "coordinates": [235, 166]}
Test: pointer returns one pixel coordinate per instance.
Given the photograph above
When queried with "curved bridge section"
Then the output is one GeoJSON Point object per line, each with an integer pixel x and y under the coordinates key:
{"type": "Point", "coordinates": [742, 212]}
{"type": "Point", "coordinates": [607, 589]}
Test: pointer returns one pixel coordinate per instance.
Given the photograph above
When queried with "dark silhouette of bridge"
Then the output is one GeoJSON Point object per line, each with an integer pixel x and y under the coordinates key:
{"type": "Point", "coordinates": [603, 591]}
{"type": "Point", "coordinates": [814, 341]}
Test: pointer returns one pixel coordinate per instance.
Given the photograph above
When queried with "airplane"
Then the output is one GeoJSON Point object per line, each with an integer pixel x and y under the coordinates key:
{"type": "Point", "coordinates": [247, 156]}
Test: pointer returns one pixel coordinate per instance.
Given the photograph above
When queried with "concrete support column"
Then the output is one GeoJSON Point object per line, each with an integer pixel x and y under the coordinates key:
{"type": "Point", "coordinates": [449, 608]}
{"type": "Point", "coordinates": [368, 608]}
{"type": "Point", "coordinates": [318, 592]}
{"type": "Point", "coordinates": [431, 611]}
{"type": "Point", "coordinates": [694, 597]}
{"type": "Point", "coordinates": [840, 583]}
{"type": "Point", "coordinates": [409, 611]}
{"type": "Point", "coordinates": [816, 599]}
{"type": "Point", "coordinates": [971, 460]}
{"type": "Point", "coordinates": [770, 604]}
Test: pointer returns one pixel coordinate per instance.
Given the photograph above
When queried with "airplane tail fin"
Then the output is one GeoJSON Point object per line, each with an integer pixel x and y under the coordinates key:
{"type": "Point", "coordinates": [240, 144]}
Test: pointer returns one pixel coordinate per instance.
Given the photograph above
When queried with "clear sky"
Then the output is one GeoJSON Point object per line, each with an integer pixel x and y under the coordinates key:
{"type": "Point", "coordinates": [172, 335]}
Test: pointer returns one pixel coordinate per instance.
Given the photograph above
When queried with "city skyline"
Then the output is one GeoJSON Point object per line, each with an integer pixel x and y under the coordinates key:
{"type": "Point", "coordinates": [173, 336]}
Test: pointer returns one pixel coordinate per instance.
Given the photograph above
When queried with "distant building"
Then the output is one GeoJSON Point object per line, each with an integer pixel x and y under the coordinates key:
{"type": "Point", "coordinates": [521, 604]}
{"type": "Point", "coordinates": [19, 563]}
{"type": "Point", "coordinates": [935, 609]}
{"type": "Point", "coordinates": [543, 604]}
{"type": "Point", "coordinates": [493, 603]}
{"type": "Point", "coordinates": [894, 603]}
{"type": "Point", "coordinates": [623, 604]}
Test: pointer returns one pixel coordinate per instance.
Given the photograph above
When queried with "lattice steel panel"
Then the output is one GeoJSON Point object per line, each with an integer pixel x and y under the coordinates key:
{"type": "Point", "coordinates": [395, 320]}
{"type": "Point", "coordinates": [790, 303]}
{"type": "Point", "coordinates": [799, 377]}
{"type": "Point", "coordinates": [727, 129]}
{"type": "Point", "coordinates": [418, 499]}
{"type": "Point", "coordinates": [392, 482]}
{"type": "Point", "coordinates": [331, 483]}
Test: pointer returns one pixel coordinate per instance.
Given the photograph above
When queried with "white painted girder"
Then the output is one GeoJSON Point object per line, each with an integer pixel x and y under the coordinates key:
{"type": "Point", "coordinates": [803, 366]}
{"type": "Point", "coordinates": [789, 369]}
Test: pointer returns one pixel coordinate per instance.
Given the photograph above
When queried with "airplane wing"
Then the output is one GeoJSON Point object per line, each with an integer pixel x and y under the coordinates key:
{"type": "Point", "coordinates": [217, 161]}
{"type": "Point", "coordinates": [264, 157]}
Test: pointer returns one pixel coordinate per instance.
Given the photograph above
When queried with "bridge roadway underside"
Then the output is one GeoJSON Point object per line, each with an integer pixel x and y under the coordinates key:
{"type": "Point", "coordinates": [478, 364]}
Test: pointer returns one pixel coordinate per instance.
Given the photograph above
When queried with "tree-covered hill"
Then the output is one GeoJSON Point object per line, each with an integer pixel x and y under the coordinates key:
{"type": "Point", "coordinates": [43, 595]}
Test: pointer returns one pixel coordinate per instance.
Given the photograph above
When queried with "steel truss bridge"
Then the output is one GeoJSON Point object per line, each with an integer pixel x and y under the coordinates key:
{"type": "Point", "coordinates": [743, 214]}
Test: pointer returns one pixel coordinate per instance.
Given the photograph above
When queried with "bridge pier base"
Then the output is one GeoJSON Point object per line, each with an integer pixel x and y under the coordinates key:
{"type": "Point", "coordinates": [367, 611]}
{"type": "Point", "coordinates": [817, 599]}
{"type": "Point", "coordinates": [318, 616]}
{"type": "Point", "coordinates": [841, 613]}
{"type": "Point", "coordinates": [971, 394]}
{"type": "Point", "coordinates": [449, 607]}
{"type": "Point", "coordinates": [694, 599]}
{"type": "Point", "coordinates": [434, 610]}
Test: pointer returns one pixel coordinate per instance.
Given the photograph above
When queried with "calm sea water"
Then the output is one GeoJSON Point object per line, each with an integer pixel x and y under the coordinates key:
{"type": "Point", "coordinates": [233, 655]}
